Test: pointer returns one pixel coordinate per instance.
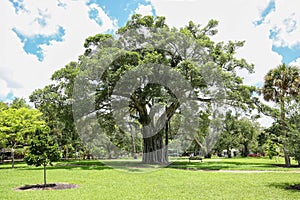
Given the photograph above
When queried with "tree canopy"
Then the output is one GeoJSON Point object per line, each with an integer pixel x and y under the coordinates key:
{"type": "Point", "coordinates": [150, 72]}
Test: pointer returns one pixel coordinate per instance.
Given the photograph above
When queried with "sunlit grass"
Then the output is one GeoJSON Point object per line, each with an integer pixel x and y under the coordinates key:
{"type": "Point", "coordinates": [97, 181]}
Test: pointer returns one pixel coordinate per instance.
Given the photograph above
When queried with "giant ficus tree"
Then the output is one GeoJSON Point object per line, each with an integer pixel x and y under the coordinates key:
{"type": "Point", "coordinates": [281, 85]}
{"type": "Point", "coordinates": [130, 67]}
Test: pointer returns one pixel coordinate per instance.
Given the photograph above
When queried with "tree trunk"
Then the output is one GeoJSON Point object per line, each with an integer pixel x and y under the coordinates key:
{"type": "Point", "coordinates": [153, 148]}
{"type": "Point", "coordinates": [167, 138]}
{"type": "Point", "coordinates": [228, 152]}
{"type": "Point", "coordinates": [67, 153]}
{"type": "Point", "coordinates": [284, 132]}
{"type": "Point", "coordinates": [287, 159]}
{"type": "Point", "coordinates": [12, 157]}
{"type": "Point", "coordinates": [246, 150]}
{"type": "Point", "coordinates": [45, 175]}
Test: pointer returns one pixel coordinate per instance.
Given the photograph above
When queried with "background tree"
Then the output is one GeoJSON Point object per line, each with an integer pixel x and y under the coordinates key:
{"type": "Point", "coordinates": [273, 140]}
{"type": "Point", "coordinates": [247, 133]}
{"type": "Point", "coordinates": [3, 106]}
{"type": "Point", "coordinates": [43, 150]}
{"type": "Point", "coordinates": [228, 139]}
{"type": "Point", "coordinates": [17, 125]}
{"type": "Point", "coordinates": [282, 86]}
{"type": "Point", "coordinates": [19, 103]}
{"type": "Point", "coordinates": [55, 102]}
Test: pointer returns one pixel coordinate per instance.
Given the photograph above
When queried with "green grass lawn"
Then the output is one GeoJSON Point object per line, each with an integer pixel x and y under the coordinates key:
{"type": "Point", "coordinates": [98, 181]}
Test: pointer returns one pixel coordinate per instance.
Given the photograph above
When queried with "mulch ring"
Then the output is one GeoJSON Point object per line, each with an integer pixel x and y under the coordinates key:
{"type": "Point", "coordinates": [52, 186]}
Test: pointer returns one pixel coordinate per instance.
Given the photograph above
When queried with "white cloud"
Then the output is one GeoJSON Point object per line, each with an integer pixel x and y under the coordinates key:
{"type": "Point", "coordinates": [286, 22]}
{"type": "Point", "coordinates": [144, 10]}
{"type": "Point", "coordinates": [106, 21]}
{"type": "Point", "coordinates": [296, 63]}
{"type": "Point", "coordinates": [27, 70]}
{"type": "Point", "coordinates": [236, 22]}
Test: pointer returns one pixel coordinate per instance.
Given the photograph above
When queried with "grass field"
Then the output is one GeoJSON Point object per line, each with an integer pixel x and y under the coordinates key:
{"type": "Point", "coordinates": [97, 181]}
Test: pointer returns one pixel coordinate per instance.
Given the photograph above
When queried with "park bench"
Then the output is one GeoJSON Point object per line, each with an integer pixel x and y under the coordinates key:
{"type": "Point", "coordinates": [195, 158]}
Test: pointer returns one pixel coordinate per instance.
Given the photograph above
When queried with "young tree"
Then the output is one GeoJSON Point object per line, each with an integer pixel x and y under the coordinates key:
{"type": "Point", "coordinates": [43, 150]}
{"type": "Point", "coordinates": [282, 87]}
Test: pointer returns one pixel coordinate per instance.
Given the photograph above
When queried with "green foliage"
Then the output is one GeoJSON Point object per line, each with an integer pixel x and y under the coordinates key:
{"type": "Point", "coordinates": [19, 103]}
{"type": "Point", "coordinates": [3, 106]}
{"type": "Point", "coordinates": [17, 126]}
{"type": "Point", "coordinates": [247, 133]}
{"type": "Point", "coordinates": [55, 102]}
{"type": "Point", "coordinates": [239, 133]}
{"type": "Point", "coordinates": [229, 137]}
{"type": "Point", "coordinates": [43, 150]}
{"type": "Point", "coordinates": [280, 83]}
{"type": "Point", "coordinates": [282, 87]}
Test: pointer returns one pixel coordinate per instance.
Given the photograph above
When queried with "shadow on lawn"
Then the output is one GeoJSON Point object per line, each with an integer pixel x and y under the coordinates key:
{"type": "Point", "coordinates": [84, 165]}
{"type": "Point", "coordinates": [130, 166]}
{"type": "Point", "coordinates": [287, 186]}
{"type": "Point", "coordinates": [218, 165]}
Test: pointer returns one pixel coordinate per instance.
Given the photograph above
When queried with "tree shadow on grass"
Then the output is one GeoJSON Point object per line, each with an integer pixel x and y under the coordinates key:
{"type": "Point", "coordinates": [295, 187]}
{"type": "Point", "coordinates": [219, 165]}
{"type": "Point", "coordinates": [18, 165]}
{"type": "Point", "coordinates": [69, 165]}
{"type": "Point", "coordinates": [284, 166]}
{"type": "Point", "coordinates": [130, 166]}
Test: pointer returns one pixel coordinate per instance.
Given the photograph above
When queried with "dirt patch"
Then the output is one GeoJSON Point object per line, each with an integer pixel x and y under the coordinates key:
{"type": "Point", "coordinates": [52, 186]}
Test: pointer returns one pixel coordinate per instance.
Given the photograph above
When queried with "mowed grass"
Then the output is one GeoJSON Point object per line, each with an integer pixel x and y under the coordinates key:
{"type": "Point", "coordinates": [97, 181]}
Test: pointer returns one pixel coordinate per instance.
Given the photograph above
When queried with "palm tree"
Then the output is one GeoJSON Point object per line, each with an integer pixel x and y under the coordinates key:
{"type": "Point", "coordinates": [282, 86]}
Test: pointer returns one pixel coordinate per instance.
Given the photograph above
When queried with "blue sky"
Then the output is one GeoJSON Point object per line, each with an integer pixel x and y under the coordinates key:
{"type": "Point", "coordinates": [43, 36]}
{"type": "Point", "coordinates": [289, 54]}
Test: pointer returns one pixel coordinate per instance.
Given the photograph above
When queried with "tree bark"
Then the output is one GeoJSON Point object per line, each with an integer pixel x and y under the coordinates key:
{"type": "Point", "coordinates": [287, 159]}
{"type": "Point", "coordinates": [167, 138]}
{"type": "Point", "coordinates": [228, 152]}
{"type": "Point", "coordinates": [246, 150]}
{"type": "Point", "coordinates": [13, 157]}
{"type": "Point", "coordinates": [45, 177]}
{"type": "Point", "coordinates": [153, 148]}
{"type": "Point", "coordinates": [284, 131]}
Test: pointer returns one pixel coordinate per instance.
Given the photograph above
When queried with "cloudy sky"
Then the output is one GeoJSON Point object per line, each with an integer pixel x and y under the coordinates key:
{"type": "Point", "coordinates": [39, 37]}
